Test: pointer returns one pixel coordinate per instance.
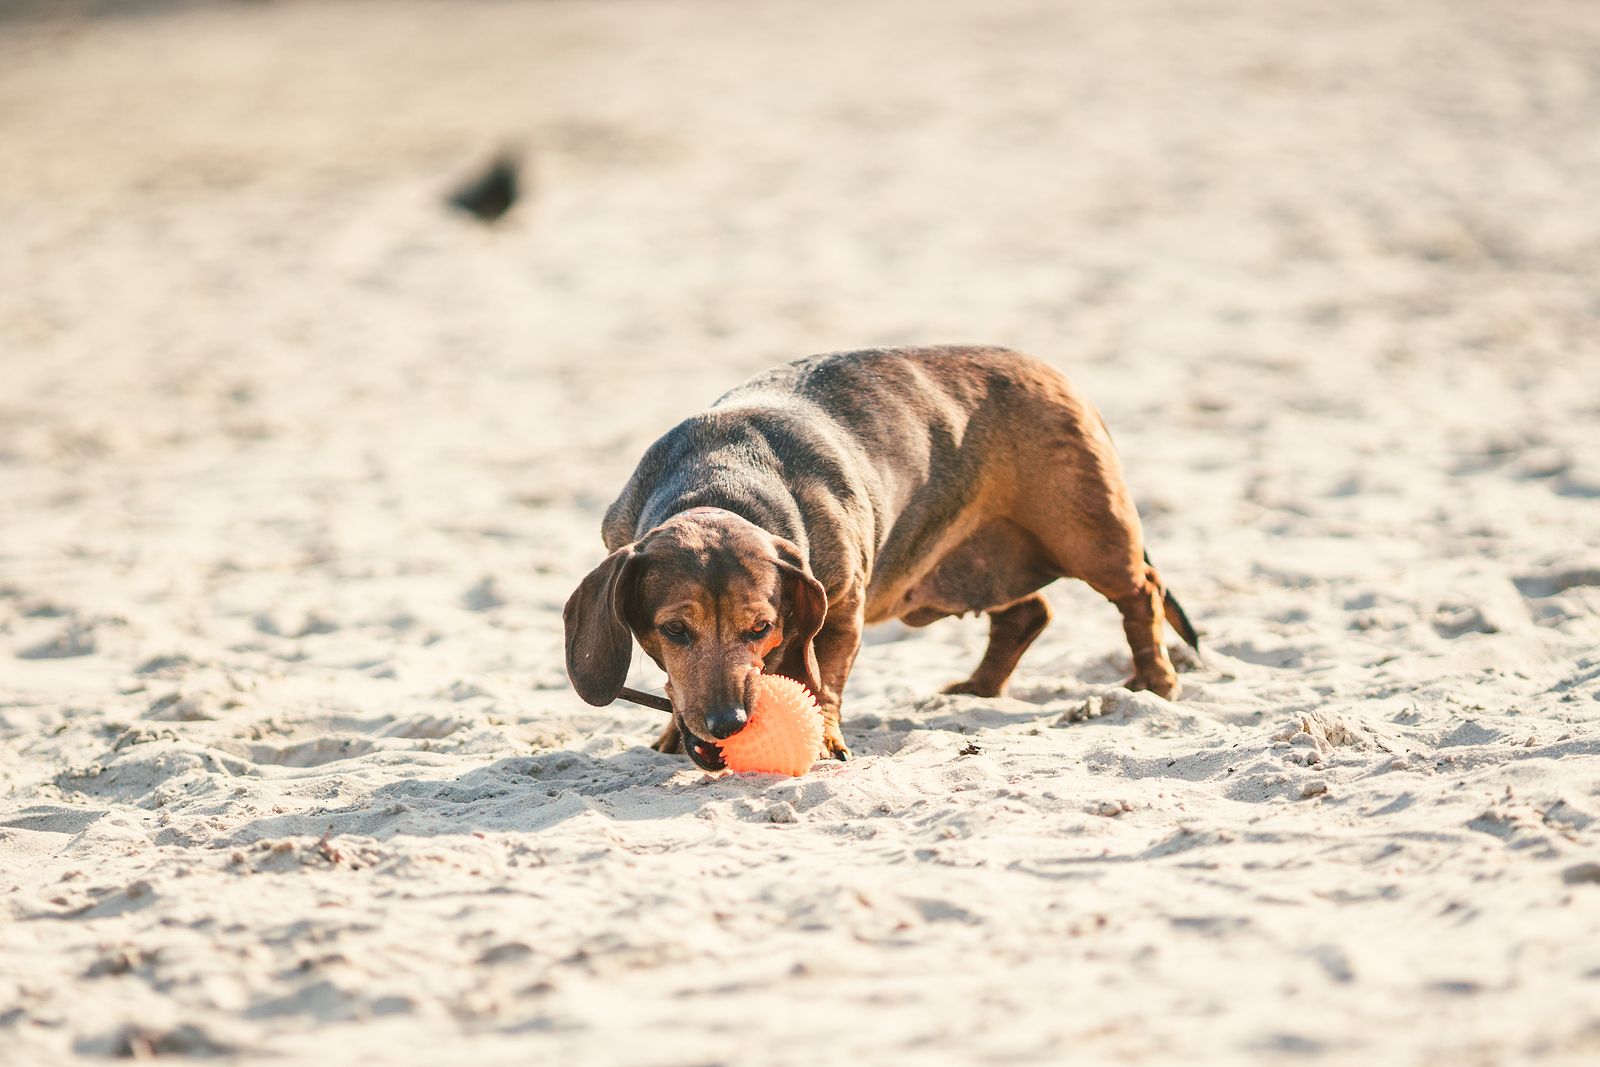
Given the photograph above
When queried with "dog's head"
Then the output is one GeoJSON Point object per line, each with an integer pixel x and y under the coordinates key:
{"type": "Point", "coordinates": [714, 600]}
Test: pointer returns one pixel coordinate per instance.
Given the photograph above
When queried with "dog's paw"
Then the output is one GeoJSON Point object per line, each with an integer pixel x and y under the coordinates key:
{"type": "Point", "coordinates": [833, 746]}
{"type": "Point", "coordinates": [973, 687]}
{"type": "Point", "coordinates": [1161, 684]}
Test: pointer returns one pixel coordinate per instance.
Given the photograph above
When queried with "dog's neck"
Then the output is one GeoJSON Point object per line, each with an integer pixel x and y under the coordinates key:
{"type": "Point", "coordinates": [773, 512]}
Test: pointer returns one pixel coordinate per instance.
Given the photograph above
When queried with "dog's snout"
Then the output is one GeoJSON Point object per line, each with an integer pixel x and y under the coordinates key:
{"type": "Point", "coordinates": [725, 721]}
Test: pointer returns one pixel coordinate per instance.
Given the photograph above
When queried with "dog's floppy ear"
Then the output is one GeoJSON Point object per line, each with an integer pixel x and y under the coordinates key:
{"type": "Point", "coordinates": [599, 640]}
{"type": "Point", "coordinates": [807, 605]}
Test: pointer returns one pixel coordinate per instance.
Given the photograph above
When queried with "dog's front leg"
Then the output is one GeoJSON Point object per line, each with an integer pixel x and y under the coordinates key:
{"type": "Point", "coordinates": [669, 741]}
{"type": "Point", "coordinates": [836, 646]}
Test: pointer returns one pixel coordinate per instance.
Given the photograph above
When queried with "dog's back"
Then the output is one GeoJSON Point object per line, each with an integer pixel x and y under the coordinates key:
{"type": "Point", "coordinates": [884, 450]}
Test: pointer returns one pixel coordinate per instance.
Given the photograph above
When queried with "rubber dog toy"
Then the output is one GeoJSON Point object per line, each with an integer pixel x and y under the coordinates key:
{"type": "Point", "coordinates": [784, 734]}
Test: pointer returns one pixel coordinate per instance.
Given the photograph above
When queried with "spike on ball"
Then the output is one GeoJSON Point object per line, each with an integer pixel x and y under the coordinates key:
{"type": "Point", "coordinates": [784, 734]}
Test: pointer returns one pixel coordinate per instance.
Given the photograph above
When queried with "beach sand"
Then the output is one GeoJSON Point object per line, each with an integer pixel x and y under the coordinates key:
{"type": "Point", "coordinates": [297, 468]}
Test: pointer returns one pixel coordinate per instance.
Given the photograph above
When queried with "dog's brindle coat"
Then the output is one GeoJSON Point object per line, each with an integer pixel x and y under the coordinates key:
{"type": "Point", "coordinates": [763, 533]}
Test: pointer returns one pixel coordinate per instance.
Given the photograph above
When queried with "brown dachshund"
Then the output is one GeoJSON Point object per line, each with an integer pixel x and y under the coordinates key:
{"type": "Point", "coordinates": [763, 533]}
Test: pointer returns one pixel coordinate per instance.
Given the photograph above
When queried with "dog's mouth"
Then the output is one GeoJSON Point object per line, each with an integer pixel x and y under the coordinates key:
{"type": "Point", "coordinates": [706, 756]}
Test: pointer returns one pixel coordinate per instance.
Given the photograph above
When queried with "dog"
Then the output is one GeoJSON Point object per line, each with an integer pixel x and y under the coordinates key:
{"type": "Point", "coordinates": [764, 533]}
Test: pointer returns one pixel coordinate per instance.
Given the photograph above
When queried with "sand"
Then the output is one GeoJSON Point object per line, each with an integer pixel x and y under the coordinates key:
{"type": "Point", "coordinates": [297, 468]}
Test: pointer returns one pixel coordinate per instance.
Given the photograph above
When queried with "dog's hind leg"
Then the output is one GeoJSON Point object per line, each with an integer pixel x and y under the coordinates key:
{"type": "Point", "coordinates": [1074, 499]}
{"type": "Point", "coordinates": [1011, 630]}
{"type": "Point", "coordinates": [1137, 593]}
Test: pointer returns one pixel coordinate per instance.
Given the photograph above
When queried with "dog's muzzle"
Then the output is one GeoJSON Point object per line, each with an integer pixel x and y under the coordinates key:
{"type": "Point", "coordinates": [724, 722]}
{"type": "Point", "coordinates": [706, 756]}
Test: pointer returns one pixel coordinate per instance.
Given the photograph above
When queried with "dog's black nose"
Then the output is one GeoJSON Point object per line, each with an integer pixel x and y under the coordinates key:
{"type": "Point", "coordinates": [726, 721]}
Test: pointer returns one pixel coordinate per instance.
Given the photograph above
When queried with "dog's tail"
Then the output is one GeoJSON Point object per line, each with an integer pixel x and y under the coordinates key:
{"type": "Point", "coordinates": [1176, 615]}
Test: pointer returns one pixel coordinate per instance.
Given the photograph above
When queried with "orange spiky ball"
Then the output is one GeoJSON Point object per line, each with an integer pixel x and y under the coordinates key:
{"type": "Point", "coordinates": [784, 734]}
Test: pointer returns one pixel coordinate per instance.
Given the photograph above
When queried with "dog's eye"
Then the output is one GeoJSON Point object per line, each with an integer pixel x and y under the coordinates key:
{"type": "Point", "coordinates": [675, 631]}
{"type": "Point", "coordinates": [760, 629]}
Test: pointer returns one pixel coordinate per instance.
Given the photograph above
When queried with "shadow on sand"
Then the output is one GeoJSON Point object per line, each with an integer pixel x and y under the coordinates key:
{"type": "Point", "coordinates": [520, 794]}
